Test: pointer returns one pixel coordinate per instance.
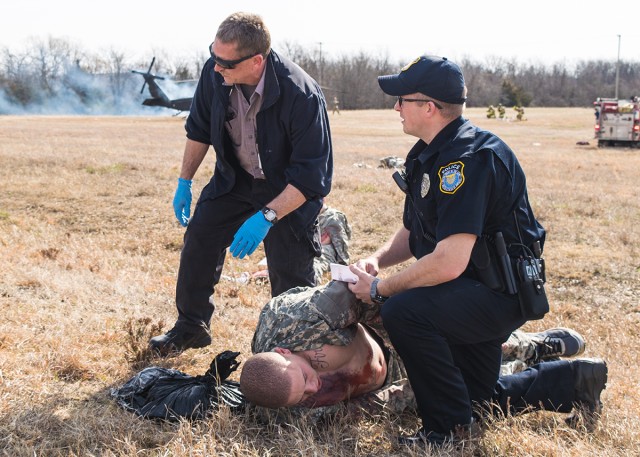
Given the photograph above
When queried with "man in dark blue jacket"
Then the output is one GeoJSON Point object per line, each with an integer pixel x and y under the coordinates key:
{"type": "Point", "coordinates": [267, 122]}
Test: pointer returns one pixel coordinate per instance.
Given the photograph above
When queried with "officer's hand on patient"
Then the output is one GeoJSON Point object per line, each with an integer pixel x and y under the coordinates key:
{"type": "Point", "coordinates": [250, 235]}
{"type": "Point", "coordinates": [182, 201]}
{"type": "Point", "coordinates": [361, 289]}
{"type": "Point", "coordinates": [369, 265]}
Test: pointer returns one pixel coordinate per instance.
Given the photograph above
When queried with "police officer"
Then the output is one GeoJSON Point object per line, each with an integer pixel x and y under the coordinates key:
{"type": "Point", "coordinates": [464, 184]}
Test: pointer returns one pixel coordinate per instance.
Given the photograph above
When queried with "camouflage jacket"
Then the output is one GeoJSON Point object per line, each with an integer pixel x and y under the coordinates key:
{"type": "Point", "coordinates": [306, 318]}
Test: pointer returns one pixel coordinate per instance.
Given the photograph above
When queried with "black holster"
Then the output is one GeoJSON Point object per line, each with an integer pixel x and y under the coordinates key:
{"type": "Point", "coordinates": [485, 266]}
{"type": "Point", "coordinates": [492, 266]}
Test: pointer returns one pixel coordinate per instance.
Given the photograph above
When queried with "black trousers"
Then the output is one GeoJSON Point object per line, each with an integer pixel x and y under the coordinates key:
{"type": "Point", "coordinates": [546, 386]}
{"type": "Point", "coordinates": [210, 232]}
{"type": "Point", "coordinates": [450, 339]}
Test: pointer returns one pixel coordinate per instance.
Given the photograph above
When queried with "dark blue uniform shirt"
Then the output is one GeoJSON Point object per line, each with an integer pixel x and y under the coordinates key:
{"type": "Point", "coordinates": [467, 180]}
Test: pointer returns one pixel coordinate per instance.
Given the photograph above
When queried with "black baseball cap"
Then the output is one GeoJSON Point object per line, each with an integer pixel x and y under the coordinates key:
{"type": "Point", "coordinates": [434, 76]}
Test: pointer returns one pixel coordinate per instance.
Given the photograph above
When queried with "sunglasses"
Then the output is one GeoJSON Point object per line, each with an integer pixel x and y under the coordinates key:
{"type": "Point", "coordinates": [401, 100]}
{"type": "Point", "coordinates": [228, 64]}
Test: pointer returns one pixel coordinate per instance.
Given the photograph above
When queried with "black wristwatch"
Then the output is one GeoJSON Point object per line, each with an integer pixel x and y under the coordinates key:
{"type": "Point", "coordinates": [270, 215]}
{"type": "Point", "coordinates": [375, 296]}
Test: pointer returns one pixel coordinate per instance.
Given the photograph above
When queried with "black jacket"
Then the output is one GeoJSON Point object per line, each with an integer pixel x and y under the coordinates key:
{"type": "Point", "coordinates": [294, 141]}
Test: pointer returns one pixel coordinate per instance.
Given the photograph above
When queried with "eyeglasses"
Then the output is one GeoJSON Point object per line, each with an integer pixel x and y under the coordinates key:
{"type": "Point", "coordinates": [228, 64]}
{"type": "Point", "coordinates": [401, 100]}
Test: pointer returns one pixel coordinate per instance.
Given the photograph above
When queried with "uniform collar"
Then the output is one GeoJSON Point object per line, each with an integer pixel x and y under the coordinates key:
{"type": "Point", "coordinates": [445, 135]}
{"type": "Point", "coordinates": [422, 151]}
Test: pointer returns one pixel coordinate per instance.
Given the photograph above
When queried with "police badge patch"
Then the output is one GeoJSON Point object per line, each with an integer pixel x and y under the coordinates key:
{"type": "Point", "coordinates": [451, 177]}
{"type": "Point", "coordinates": [424, 187]}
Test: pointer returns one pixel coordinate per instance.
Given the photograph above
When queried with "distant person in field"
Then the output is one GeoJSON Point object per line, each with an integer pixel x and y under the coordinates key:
{"type": "Point", "coordinates": [336, 105]}
{"type": "Point", "coordinates": [318, 347]}
{"type": "Point", "coordinates": [267, 122]}
{"type": "Point", "coordinates": [447, 309]}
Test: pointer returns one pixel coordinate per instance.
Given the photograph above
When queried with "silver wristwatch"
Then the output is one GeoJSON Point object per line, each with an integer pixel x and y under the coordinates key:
{"type": "Point", "coordinates": [270, 215]}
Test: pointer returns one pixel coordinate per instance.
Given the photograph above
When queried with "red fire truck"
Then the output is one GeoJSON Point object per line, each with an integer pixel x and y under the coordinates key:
{"type": "Point", "coordinates": [617, 122]}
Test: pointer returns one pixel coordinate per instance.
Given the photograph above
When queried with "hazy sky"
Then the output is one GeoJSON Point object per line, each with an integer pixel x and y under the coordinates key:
{"type": "Point", "coordinates": [532, 31]}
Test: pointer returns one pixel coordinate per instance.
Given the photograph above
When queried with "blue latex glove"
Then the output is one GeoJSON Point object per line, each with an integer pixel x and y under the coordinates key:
{"type": "Point", "coordinates": [182, 201]}
{"type": "Point", "coordinates": [250, 235]}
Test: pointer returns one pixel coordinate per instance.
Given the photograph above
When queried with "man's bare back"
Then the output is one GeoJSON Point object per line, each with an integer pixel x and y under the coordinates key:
{"type": "Point", "coordinates": [346, 371]}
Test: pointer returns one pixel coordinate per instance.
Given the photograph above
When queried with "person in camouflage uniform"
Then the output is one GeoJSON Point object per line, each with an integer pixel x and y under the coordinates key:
{"type": "Point", "coordinates": [335, 234]}
{"type": "Point", "coordinates": [305, 318]}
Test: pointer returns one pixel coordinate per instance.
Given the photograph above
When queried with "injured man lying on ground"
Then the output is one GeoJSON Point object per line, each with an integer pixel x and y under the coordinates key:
{"type": "Point", "coordinates": [320, 347]}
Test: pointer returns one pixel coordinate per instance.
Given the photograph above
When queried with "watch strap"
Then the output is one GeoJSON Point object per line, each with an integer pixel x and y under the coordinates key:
{"type": "Point", "coordinates": [373, 293]}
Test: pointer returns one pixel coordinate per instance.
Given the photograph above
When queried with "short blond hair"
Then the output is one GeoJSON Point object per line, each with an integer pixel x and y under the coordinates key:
{"type": "Point", "coordinates": [264, 380]}
{"type": "Point", "coordinates": [451, 110]}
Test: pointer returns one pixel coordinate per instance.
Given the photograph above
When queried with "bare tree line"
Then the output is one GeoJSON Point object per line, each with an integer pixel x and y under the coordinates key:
{"type": "Point", "coordinates": [55, 76]}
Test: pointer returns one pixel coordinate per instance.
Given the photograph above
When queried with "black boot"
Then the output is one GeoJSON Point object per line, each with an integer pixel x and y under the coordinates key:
{"type": "Point", "coordinates": [461, 433]}
{"type": "Point", "coordinates": [178, 339]}
{"type": "Point", "coordinates": [590, 379]}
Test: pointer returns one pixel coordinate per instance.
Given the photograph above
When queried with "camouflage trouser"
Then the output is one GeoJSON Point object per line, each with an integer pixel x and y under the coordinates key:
{"type": "Point", "coordinates": [518, 353]}
{"type": "Point", "coordinates": [321, 264]}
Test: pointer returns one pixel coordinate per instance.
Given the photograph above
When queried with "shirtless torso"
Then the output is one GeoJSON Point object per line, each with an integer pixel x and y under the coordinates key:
{"type": "Point", "coordinates": [346, 371]}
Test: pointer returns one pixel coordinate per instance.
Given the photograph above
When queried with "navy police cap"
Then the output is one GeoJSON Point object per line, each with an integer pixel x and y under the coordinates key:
{"type": "Point", "coordinates": [434, 76]}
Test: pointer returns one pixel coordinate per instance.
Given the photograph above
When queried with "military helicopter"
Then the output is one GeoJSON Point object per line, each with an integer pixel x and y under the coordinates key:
{"type": "Point", "coordinates": [159, 98]}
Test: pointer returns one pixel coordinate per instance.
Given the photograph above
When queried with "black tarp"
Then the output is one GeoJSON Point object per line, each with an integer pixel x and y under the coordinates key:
{"type": "Point", "coordinates": [164, 393]}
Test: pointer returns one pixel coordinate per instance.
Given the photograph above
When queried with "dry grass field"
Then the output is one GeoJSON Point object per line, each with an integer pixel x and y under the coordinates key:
{"type": "Point", "coordinates": [89, 251]}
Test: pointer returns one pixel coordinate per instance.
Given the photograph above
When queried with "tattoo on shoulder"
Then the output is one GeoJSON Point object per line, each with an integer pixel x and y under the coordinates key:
{"type": "Point", "coordinates": [318, 359]}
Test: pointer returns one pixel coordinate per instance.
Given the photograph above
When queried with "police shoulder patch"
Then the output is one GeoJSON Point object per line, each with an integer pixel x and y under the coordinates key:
{"type": "Point", "coordinates": [451, 177]}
